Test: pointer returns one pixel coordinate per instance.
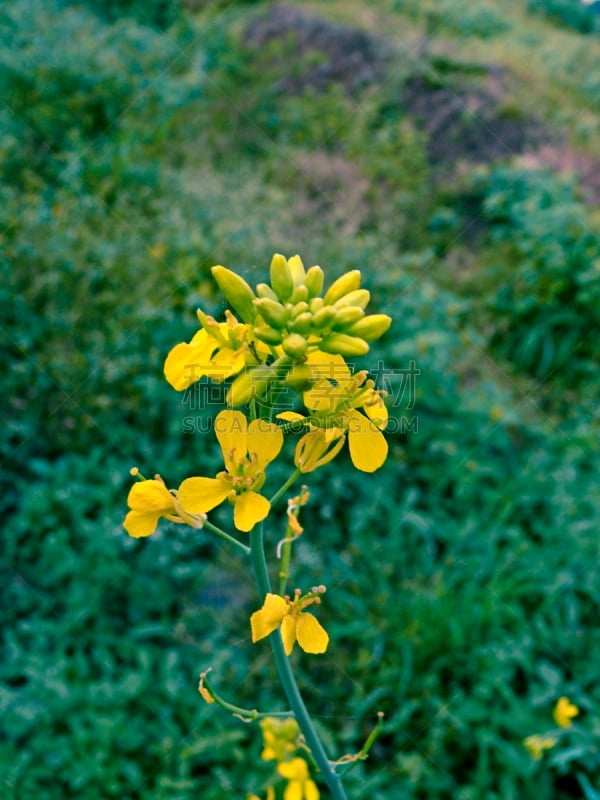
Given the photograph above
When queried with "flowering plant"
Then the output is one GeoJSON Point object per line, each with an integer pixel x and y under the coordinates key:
{"type": "Point", "coordinates": [289, 336]}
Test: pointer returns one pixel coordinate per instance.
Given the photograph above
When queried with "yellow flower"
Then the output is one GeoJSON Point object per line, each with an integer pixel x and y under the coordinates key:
{"type": "Point", "coordinates": [279, 736]}
{"type": "Point", "coordinates": [334, 400]}
{"type": "Point", "coordinates": [218, 350]}
{"type": "Point", "coordinates": [536, 745]}
{"type": "Point", "coordinates": [300, 786]}
{"type": "Point", "coordinates": [151, 500]}
{"type": "Point", "coordinates": [270, 794]}
{"type": "Point", "coordinates": [564, 711]}
{"type": "Point", "coordinates": [296, 625]}
{"type": "Point", "coordinates": [247, 450]}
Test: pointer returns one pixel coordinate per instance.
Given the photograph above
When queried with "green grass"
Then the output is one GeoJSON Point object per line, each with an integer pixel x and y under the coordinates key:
{"type": "Point", "coordinates": [139, 149]}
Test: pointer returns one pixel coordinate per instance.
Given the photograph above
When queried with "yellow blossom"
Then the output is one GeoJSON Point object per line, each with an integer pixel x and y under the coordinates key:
{"type": "Point", "coordinates": [279, 736]}
{"type": "Point", "coordinates": [536, 745]}
{"type": "Point", "coordinates": [300, 786]}
{"type": "Point", "coordinates": [151, 500]}
{"type": "Point", "coordinates": [564, 711]}
{"type": "Point", "coordinates": [218, 350]}
{"type": "Point", "coordinates": [247, 450]}
{"type": "Point", "coordinates": [334, 400]}
{"type": "Point", "coordinates": [295, 624]}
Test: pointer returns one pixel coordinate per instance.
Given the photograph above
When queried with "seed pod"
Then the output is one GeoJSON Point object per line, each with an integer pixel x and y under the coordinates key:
{"type": "Point", "coordinates": [348, 282]}
{"type": "Point", "coordinates": [302, 323]}
{"type": "Point", "coordinates": [282, 281]}
{"type": "Point", "coordinates": [345, 317]}
{"type": "Point", "coordinates": [297, 270]}
{"type": "Point", "coordinates": [295, 345]}
{"type": "Point", "coordinates": [272, 312]}
{"type": "Point", "coordinates": [344, 345]}
{"type": "Point", "coordinates": [314, 281]}
{"type": "Point", "coordinates": [371, 327]}
{"type": "Point", "coordinates": [237, 292]}
{"type": "Point", "coordinates": [324, 317]}
{"type": "Point", "coordinates": [359, 298]}
{"type": "Point", "coordinates": [268, 335]}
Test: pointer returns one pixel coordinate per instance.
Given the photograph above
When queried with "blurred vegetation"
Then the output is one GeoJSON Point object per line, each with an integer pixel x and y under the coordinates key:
{"type": "Point", "coordinates": [139, 145]}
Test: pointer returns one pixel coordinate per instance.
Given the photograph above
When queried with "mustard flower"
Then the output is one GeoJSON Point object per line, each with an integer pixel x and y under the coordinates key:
{"type": "Point", "coordinates": [300, 786]}
{"type": "Point", "coordinates": [149, 501]}
{"type": "Point", "coordinates": [280, 737]}
{"type": "Point", "coordinates": [536, 745]}
{"type": "Point", "coordinates": [295, 623]}
{"type": "Point", "coordinates": [247, 450]}
{"type": "Point", "coordinates": [334, 400]}
{"type": "Point", "coordinates": [564, 711]}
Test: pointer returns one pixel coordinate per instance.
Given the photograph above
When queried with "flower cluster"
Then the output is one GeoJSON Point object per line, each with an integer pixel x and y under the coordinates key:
{"type": "Point", "coordinates": [563, 713]}
{"type": "Point", "coordinates": [281, 737]}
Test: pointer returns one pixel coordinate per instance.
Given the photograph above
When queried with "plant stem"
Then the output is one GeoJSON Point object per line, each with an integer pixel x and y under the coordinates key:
{"type": "Point", "coordinates": [226, 536]}
{"type": "Point", "coordinates": [292, 479]}
{"type": "Point", "coordinates": [286, 676]}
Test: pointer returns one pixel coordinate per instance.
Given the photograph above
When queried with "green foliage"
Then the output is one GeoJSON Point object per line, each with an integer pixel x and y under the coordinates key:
{"type": "Point", "coordinates": [572, 13]}
{"type": "Point", "coordinates": [125, 176]}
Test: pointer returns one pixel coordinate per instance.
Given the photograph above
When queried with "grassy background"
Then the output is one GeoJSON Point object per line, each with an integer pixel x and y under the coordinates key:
{"type": "Point", "coordinates": [420, 142]}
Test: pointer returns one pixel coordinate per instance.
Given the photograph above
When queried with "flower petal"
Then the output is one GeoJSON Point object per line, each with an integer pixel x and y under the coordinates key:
{"type": "Point", "coordinates": [332, 384]}
{"type": "Point", "coordinates": [151, 496]}
{"type": "Point", "coordinates": [225, 363]}
{"type": "Point", "coordinates": [265, 440]}
{"type": "Point", "coordinates": [376, 410]}
{"type": "Point", "coordinates": [231, 429]}
{"type": "Point", "coordinates": [138, 523]}
{"type": "Point", "coordinates": [368, 447]}
{"type": "Point", "coordinates": [312, 636]}
{"type": "Point", "coordinates": [311, 791]}
{"type": "Point", "coordinates": [288, 633]}
{"type": "Point", "coordinates": [269, 617]}
{"type": "Point", "coordinates": [187, 363]}
{"type": "Point", "coordinates": [250, 508]}
{"type": "Point", "coordinates": [293, 791]}
{"type": "Point", "coordinates": [199, 495]}
{"type": "Point", "coordinates": [294, 770]}
{"type": "Point", "coordinates": [291, 416]}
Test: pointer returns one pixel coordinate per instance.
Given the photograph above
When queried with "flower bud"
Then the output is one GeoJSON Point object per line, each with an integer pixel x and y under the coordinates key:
{"type": "Point", "coordinates": [237, 292]}
{"type": "Point", "coordinates": [297, 270]}
{"type": "Point", "coordinates": [348, 282]}
{"type": "Point", "coordinates": [268, 335]}
{"type": "Point", "coordinates": [344, 345]}
{"type": "Point", "coordinates": [302, 323]}
{"type": "Point", "coordinates": [249, 384]}
{"type": "Point", "coordinates": [347, 316]}
{"type": "Point", "coordinates": [264, 290]}
{"type": "Point", "coordinates": [299, 308]}
{"type": "Point", "coordinates": [314, 281]}
{"type": "Point", "coordinates": [282, 281]}
{"type": "Point", "coordinates": [316, 304]}
{"type": "Point", "coordinates": [272, 312]}
{"type": "Point", "coordinates": [295, 345]}
{"type": "Point", "coordinates": [300, 377]}
{"type": "Point", "coordinates": [324, 317]}
{"type": "Point", "coordinates": [359, 298]}
{"type": "Point", "coordinates": [371, 327]}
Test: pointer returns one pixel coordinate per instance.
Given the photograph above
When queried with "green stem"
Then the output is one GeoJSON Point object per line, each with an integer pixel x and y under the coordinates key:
{"type": "Point", "coordinates": [245, 714]}
{"type": "Point", "coordinates": [226, 536]}
{"type": "Point", "coordinates": [286, 676]}
{"type": "Point", "coordinates": [280, 492]}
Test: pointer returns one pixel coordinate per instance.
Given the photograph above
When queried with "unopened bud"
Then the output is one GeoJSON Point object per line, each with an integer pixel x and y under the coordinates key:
{"type": "Point", "coordinates": [324, 317]}
{"type": "Point", "coordinates": [282, 281]}
{"type": "Point", "coordinates": [237, 292]}
{"type": "Point", "coordinates": [348, 282]}
{"type": "Point", "coordinates": [298, 308]}
{"type": "Point", "coordinates": [299, 293]}
{"type": "Point", "coordinates": [295, 345]}
{"type": "Point", "coordinates": [264, 290]}
{"type": "Point", "coordinates": [302, 323]}
{"type": "Point", "coordinates": [314, 281]}
{"type": "Point", "coordinates": [272, 312]}
{"type": "Point", "coordinates": [297, 269]}
{"type": "Point", "coordinates": [316, 304]}
{"type": "Point", "coordinates": [345, 317]}
{"type": "Point", "coordinates": [253, 383]}
{"type": "Point", "coordinates": [300, 377]}
{"type": "Point", "coordinates": [344, 345]}
{"type": "Point", "coordinates": [371, 327]}
{"type": "Point", "coordinates": [268, 335]}
{"type": "Point", "coordinates": [359, 298]}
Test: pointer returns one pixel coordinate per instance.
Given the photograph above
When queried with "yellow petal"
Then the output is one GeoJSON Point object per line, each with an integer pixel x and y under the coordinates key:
{"type": "Point", "coordinates": [288, 633]}
{"type": "Point", "coordinates": [138, 523]}
{"type": "Point", "coordinates": [269, 617]}
{"type": "Point", "coordinates": [199, 495]}
{"type": "Point", "coordinates": [265, 440]}
{"type": "Point", "coordinates": [151, 496]}
{"type": "Point", "coordinates": [376, 410]}
{"type": "Point", "coordinates": [231, 429]}
{"type": "Point", "coordinates": [291, 416]}
{"type": "Point", "coordinates": [368, 447]}
{"type": "Point", "coordinates": [332, 381]}
{"type": "Point", "coordinates": [225, 363]}
{"type": "Point", "coordinates": [564, 711]}
{"type": "Point", "coordinates": [312, 636]}
{"type": "Point", "coordinates": [250, 508]}
{"type": "Point", "coordinates": [294, 770]}
{"type": "Point", "coordinates": [315, 449]}
{"type": "Point", "coordinates": [187, 363]}
{"type": "Point", "coordinates": [310, 791]}
{"type": "Point", "coordinates": [293, 791]}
